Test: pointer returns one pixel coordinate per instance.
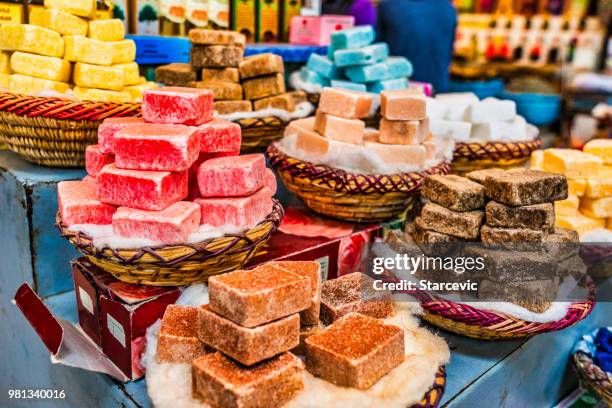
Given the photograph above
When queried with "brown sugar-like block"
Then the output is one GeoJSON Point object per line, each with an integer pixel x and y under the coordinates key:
{"type": "Point", "coordinates": [216, 37]}
{"type": "Point", "coordinates": [353, 293]}
{"type": "Point", "coordinates": [536, 295]}
{"type": "Point", "coordinates": [222, 91]}
{"type": "Point", "coordinates": [175, 74]}
{"type": "Point", "coordinates": [513, 238]}
{"type": "Point", "coordinates": [356, 351]}
{"type": "Point", "coordinates": [479, 176]}
{"type": "Point", "coordinates": [536, 216]}
{"type": "Point", "coordinates": [312, 271]}
{"type": "Point", "coordinates": [306, 332]}
{"type": "Point", "coordinates": [248, 345]}
{"type": "Point", "coordinates": [525, 187]}
{"type": "Point", "coordinates": [215, 56]}
{"type": "Point", "coordinates": [432, 242]}
{"type": "Point", "coordinates": [252, 298]}
{"type": "Point", "coordinates": [563, 243]}
{"type": "Point", "coordinates": [284, 102]}
{"type": "Point", "coordinates": [221, 74]}
{"type": "Point", "coordinates": [262, 87]}
{"type": "Point", "coordinates": [513, 266]}
{"type": "Point", "coordinates": [221, 382]}
{"type": "Point", "coordinates": [260, 65]}
{"type": "Point", "coordinates": [454, 192]}
{"type": "Point", "coordinates": [228, 107]}
{"type": "Point", "coordinates": [465, 224]}
{"type": "Point", "coordinates": [178, 341]}
{"type": "Point", "coordinates": [298, 97]}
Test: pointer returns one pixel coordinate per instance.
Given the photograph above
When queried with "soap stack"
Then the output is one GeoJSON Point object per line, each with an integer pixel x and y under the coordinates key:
{"type": "Point", "coordinates": [143, 170]}
{"type": "Point", "coordinates": [354, 62]}
{"type": "Point", "coordinates": [63, 33]}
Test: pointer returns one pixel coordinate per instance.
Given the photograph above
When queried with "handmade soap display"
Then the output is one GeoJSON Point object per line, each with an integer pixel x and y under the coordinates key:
{"type": "Point", "coordinates": [173, 183]}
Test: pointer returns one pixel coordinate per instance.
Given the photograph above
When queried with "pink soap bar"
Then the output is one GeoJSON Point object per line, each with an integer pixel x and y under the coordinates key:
{"type": "Point", "coordinates": [185, 106]}
{"type": "Point", "coordinates": [430, 150]}
{"type": "Point", "coordinates": [89, 179]}
{"type": "Point", "coordinates": [236, 176]}
{"type": "Point", "coordinates": [340, 129]}
{"type": "Point", "coordinates": [399, 154]}
{"type": "Point", "coordinates": [239, 212]}
{"type": "Point", "coordinates": [78, 204]}
{"type": "Point", "coordinates": [403, 104]}
{"type": "Point", "coordinates": [220, 135]}
{"type": "Point", "coordinates": [95, 160]}
{"type": "Point", "coordinates": [345, 103]}
{"type": "Point", "coordinates": [170, 226]}
{"type": "Point", "coordinates": [145, 190]}
{"type": "Point", "coordinates": [157, 147]}
{"type": "Point", "coordinates": [108, 129]}
{"type": "Point", "coordinates": [270, 181]}
{"type": "Point", "coordinates": [194, 189]}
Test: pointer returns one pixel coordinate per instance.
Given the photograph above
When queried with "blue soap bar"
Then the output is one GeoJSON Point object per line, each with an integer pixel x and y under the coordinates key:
{"type": "Point", "coordinates": [312, 77]}
{"type": "Point", "coordinates": [388, 85]}
{"type": "Point", "coordinates": [355, 37]}
{"type": "Point", "coordinates": [351, 86]}
{"type": "Point", "coordinates": [363, 56]}
{"type": "Point", "coordinates": [323, 66]}
{"type": "Point", "coordinates": [398, 67]}
{"type": "Point", "coordinates": [368, 73]}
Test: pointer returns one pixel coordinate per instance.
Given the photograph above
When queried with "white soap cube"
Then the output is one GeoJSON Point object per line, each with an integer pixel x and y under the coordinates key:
{"type": "Point", "coordinates": [491, 110]}
{"type": "Point", "coordinates": [507, 131]}
{"type": "Point", "coordinates": [461, 98]}
{"type": "Point", "coordinates": [456, 113]}
{"type": "Point", "coordinates": [435, 108]}
{"type": "Point", "coordinates": [459, 131]}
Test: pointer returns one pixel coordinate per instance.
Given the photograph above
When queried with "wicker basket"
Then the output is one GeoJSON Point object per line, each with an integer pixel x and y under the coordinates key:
{"type": "Point", "coordinates": [348, 196]}
{"type": "Point", "coordinates": [178, 264]}
{"type": "Point", "coordinates": [592, 377]}
{"type": "Point", "coordinates": [52, 131]}
{"type": "Point", "coordinates": [477, 156]}
{"type": "Point", "coordinates": [259, 133]}
{"type": "Point", "coordinates": [433, 397]}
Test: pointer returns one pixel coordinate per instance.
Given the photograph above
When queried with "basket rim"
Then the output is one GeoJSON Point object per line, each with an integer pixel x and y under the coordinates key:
{"type": "Point", "coordinates": [496, 150]}
{"type": "Point", "coordinates": [580, 359]}
{"type": "Point", "coordinates": [440, 388]}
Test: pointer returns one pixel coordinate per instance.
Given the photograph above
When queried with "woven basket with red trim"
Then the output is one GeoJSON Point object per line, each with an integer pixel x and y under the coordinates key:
{"type": "Point", "coordinates": [433, 397]}
{"type": "Point", "coordinates": [477, 156]}
{"type": "Point", "coordinates": [593, 377]}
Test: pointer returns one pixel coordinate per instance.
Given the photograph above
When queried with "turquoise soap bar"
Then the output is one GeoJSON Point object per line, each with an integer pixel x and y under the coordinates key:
{"type": "Point", "coordinates": [398, 67]}
{"type": "Point", "coordinates": [312, 77]}
{"type": "Point", "coordinates": [368, 73]}
{"type": "Point", "coordinates": [351, 86]}
{"type": "Point", "coordinates": [323, 66]}
{"type": "Point", "coordinates": [363, 56]}
{"type": "Point", "coordinates": [355, 37]}
{"type": "Point", "coordinates": [388, 85]}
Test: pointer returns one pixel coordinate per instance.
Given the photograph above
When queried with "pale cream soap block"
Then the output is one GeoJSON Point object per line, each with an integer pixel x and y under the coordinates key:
{"type": "Point", "coordinates": [123, 51]}
{"type": "Point", "coordinates": [106, 30]}
{"type": "Point", "coordinates": [82, 8]}
{"type": "Point", "coordinates": [31, 38]}
{"type": "Point", "coordinates": [130, 72]}
{"type": "Point", "coordinates": [83, 49]}
{"type": "Point", "coordinates": [102, 95]}
{"type": "Point", "coordinates": [96, 76]}
{"type": "Point", "coordinates": [5, 62]}
{"type": "Point", "coordinates": [28, 85]}
{"type": "Point", "coordinates": [58, 20]}
{"type": "Point", "coordinates": [40, 66]}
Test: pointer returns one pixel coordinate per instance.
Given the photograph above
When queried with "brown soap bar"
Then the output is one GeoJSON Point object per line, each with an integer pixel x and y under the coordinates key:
{"type": "Point", "coordinates": [215, 56]}
{"type": "Point", "coordinates": [513, 266]}
{"type": "Point", "coordinates": [298, 97]}
{"type": "Point", "coordinates": [512, 238]}
{"type": "Point", "coordinates": [432, 242]}
{"type": "Point", "coordinates": [221, 74]}
{"type": "Point", "coordinates": [263, 87]}
{"type": "Point", "coordinates": [178, 341]}
{"type": "Point", "coordinates": [312, 271]}
{"type": "Point", "coordinates": [454, 192]}
{"type": "Point", "coordinates": [525, 187]}
{"type": "Point", "coordinates": [227, 107]}
{"type": "Point", "coordinates": [536, 295]}
{"type": "Point", "coordinates": [222, 91]}
{"type": "Point", "coordinates": [562, 244]}
{"type": "Point", "coordinates": [283, 102]}
{"type": "Point", "coordinates": [563, 235]}
{"type": "Point", "coordinates": [216, 37]}
{"type": "Point", "coordinates": [248, 345]}
{"type": "Point", "coordinates": [574, 266]}
{"type": "Point", "coordinates": [175, 74]}
{"type": "Point", "coordinates": [306, 332]}
{"type": "Point", "coordinates": [536, 216]}
{"type": "Point", "coordinates": [465, 225]}
{"type": "Point", "coordinates": [251, 298]}
{"type": "Point", "coordinates": [356, 351]}
{"type": "Point", "coordinates": [353, 293]}
{"type": "Point", "coordinates": [260, 65]}
{"type": "Point", "coordinates": [479, 176]}
{"type": "Point", "coordinates": [223, 383]}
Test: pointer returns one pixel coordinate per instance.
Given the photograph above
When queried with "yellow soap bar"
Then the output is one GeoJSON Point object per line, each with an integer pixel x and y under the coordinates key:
{"type": "Point", "coordinates": [536, 160]}
{"type": "Point", "coordinates": [82, 8]}
{"type": "Point", "coordinates": [40, 66]}
{"type": "Point", "coordinates": [31, 38]}
{"type": "Point", "coordinates": [83, 49]}
{"type": "Point", "coordinates": [137, 90]}
{"type": "Point", "coordinates": [596, 207]}
{"type": "Point", "coordinates": [97, 76]}
{"type": "Point", "coordinates": [5, 65]}
{"type": "Point", "coordinates": [101, 95]}
{"type": "Point", "coordinates": [569, 206]}
{"type": "Point", "coordinates": [106, 30]}
{"type": "Point", "coordinates": [573, 163]}
{"type": "Point", "coordinates": [28, 85]}
{"type": "Point", "coordinates": [576, 186]}
{"type": "Point", "coordinates": [601, 148]}
{"type": "Point", "coordinates": [579, 223]}
{"type": "Point", "coordinates": [123, 51]}
{"type": "Point", "coordinates": [601, 185]}
{"type": "Point", "coordinates": [5, 81]}
{"type": "Point", "coordinates": [130, 72]}
{"type": "Point", "coordinates": [58, 20]}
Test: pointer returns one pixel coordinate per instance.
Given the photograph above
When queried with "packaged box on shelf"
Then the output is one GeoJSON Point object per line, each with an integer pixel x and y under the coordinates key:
{"type": "Point", "coordinates": [243, 18]}
{"type": "Point", "coordinates": [316, 30]}
{"type": "Point", "coordinates": [267, 21]}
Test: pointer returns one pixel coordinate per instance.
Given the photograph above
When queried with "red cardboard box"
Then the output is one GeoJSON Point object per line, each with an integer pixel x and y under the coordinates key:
{"type": "Point", "coordinates": [306, 30]}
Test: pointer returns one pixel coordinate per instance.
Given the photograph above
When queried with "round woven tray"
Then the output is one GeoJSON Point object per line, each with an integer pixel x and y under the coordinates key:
{"type": "Point", "coordinates": [432, 398]}
{"type": "Point", "coordinates": [259, 133]}
{"type": "Point", "coordinates": [53, 131]}
{"type": "Point", "coordinates": [592, 377]}
{"type": "Point", "coordinates": [477, 156]}
{"type": "Point", "coordinates": [349, 196]}
{"type": "Point", "coordinates": [178, 265]}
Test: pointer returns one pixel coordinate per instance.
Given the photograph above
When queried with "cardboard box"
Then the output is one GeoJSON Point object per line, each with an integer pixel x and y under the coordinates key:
{"type": "Point", "coordinates": [316, 30]}
{"type": "Point", "coordinates": [267, 21]}
{"type": "Point", "coordinates": [11, 11]}
{"type": "Point", "coordinates": [243, 18]}
{"type": "Point", "coordinates": [289, 9]}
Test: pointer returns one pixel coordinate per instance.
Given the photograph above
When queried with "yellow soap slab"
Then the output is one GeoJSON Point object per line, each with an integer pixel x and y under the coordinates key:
{"type": "Point", "coordinates": [101, 95]}
{"type": "Point", "coordinates": [579, 222]}
{"type": "Point", "coordinates": [596, 207]}
{"type": "Point", "coordinates": [5, 81]}
{"type": "Point", "coordinates": [573, 163]}
{"type": "Point", "coordinates": [58, 20]}
{"type": "Point", "coordinates": [28, 85]}
{"type": "Point", "coordinates": [576, 186]}
{"type": "Point", "coordinates": [600, 186]}
{"type": "Point", "coordinates": [569, 206]}
{"type": "Point", "coordinates": [83, 49]}
{"type": "Point", "coordinates": [137, 90]}
{"type": "Point", "coordinates": [82, 8]}
{"type": "Point", "coordinates": [31, 38]}
{"type": "Point", "coordinates": [123, 51]}
{"type": "Point", "coordinates": [601, 148]}
{"type": "Point", "coordinates": [5, 65]}
{"type": "Point", "coordinates": [536, 159]}
{"type": "Point", "coordinates": [106, 30]}
{"type": "Point", "coordinates": [40, 66]}
{"type": "Point", "coordinates": [97, 76]}
{"type": "Point", "coordinates": [130, 72]}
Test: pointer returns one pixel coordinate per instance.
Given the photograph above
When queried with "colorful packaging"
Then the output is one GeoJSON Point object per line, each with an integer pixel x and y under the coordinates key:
{"type": "Point", "coordinates": [267, 21]}
{"type": "Point", "coordinates": [289, 9]}
{"type": "Point", "coordinates": [243, 18]}
{"type": "Point", "coordinates": [145, 17]}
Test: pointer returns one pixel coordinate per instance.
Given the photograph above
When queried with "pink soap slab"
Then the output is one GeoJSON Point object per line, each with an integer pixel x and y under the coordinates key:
{"type": "Point", "coordinates": [235, 176]}
{"type": "Point", "coordinates": [157, 147]}
{"type": "Point", "coordinates": [78, 204]}
{"type": "Point", "coordinates": [170, 226]}
{"type": "Point", "coordinates": [144, 190]}
{"type": "Point", "coordinates": [345, 103]}
{"type": "Point", "coordinates": [89, 179]}
{"type": "Point", "coordinates": [194, 189]}
{"type": "Point", "coordinates": [108, 129]}
{"type": "Point", "coordinates": [185, 106]}
{"type": "Point", "coordinates": [220, 135]}
{"type": "Point", "coordinates": [270, 181]}
{"type": "Point", "coordinates": [240, 212]}
{"type": "Point", "coordinates": [95, 160]}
